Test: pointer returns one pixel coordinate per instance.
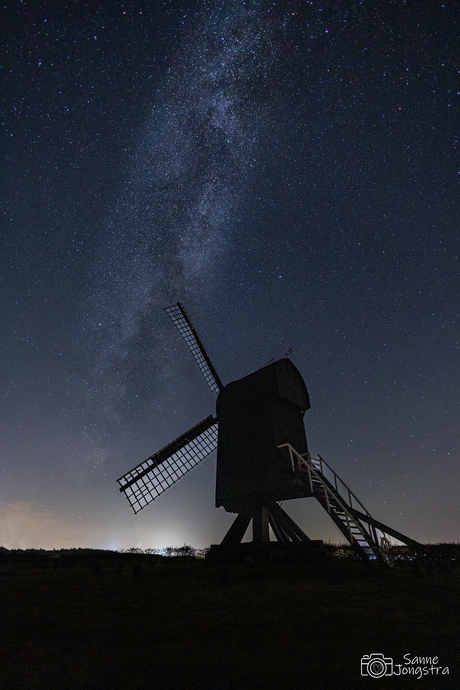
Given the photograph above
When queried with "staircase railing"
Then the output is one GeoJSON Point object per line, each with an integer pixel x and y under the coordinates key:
{"type": "Point", "coordinates": [337, 481]}
{"type": "Point", "coordinates": [313, 467]}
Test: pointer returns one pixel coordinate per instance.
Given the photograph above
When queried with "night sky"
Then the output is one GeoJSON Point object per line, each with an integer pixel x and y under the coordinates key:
{"type": "Point", "coordinates": [290, 172]}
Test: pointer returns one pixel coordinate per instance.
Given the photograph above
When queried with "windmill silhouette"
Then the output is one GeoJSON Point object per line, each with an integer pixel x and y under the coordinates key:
{"type": "Point", "coordinates": [262, 459]}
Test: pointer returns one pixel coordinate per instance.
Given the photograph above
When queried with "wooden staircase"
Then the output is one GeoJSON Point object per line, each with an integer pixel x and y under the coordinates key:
{"type": "Point", "coordinates": [368, 537]}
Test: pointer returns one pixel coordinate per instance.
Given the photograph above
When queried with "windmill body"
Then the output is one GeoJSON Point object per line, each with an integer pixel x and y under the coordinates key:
{"type": "Point", "coordinates": [262, 459]}
{"type": "Point", "coordinates": [256, 415]}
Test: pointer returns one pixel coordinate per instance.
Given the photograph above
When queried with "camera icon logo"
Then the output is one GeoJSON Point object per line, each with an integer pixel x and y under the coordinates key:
{"type": "Point", "coordinates": [376, 666]}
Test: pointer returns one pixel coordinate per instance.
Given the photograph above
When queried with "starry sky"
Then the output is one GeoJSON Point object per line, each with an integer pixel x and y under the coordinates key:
{"type": "Point", "coordinates": [290, 172]}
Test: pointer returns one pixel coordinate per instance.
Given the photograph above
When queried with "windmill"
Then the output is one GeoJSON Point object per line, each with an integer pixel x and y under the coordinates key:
{"type": "Point", "coordinates": [262, 459]}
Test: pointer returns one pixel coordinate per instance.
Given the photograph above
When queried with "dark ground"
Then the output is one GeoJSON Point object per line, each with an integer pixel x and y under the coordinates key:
{"type": "Point", "coordinates": [107, 621]}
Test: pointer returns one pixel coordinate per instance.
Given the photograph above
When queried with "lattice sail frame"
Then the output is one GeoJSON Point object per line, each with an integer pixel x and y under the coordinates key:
{"type": "Point", "coordinates": [182, 322]}
{"type": "Point", "coordinates": [151, 478]}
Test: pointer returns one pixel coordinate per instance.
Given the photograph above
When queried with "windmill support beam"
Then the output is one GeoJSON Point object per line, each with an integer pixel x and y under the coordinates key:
{"type": "Point", "coordinates": [260, 532]}
{"type": "Point", "coordinates": [290, 528]}
{"type": "Point", "coordinates": [278, 531]}
{"type": "Point", "coordinates": [237, 531]}
{"type": "Point", "coordinates": [387, 530]}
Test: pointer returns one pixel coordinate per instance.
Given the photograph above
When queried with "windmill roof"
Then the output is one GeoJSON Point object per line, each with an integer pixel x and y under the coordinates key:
{"type": "Point", "coordinates": [280, 378]}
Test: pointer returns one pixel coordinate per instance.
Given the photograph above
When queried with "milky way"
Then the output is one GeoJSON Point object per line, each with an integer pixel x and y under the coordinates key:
{"type": "Point", "coordinates": [167, 236]}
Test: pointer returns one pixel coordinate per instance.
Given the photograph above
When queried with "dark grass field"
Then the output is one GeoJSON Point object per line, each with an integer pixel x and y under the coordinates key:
{"type": "Point", "coordinates": [144, 622]}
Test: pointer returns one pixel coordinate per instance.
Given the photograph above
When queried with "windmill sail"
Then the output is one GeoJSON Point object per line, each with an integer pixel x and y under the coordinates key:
{"type": "Point", "coordinates": [150, 478]}
{"type": "Point", "coordinates": [182, 322]}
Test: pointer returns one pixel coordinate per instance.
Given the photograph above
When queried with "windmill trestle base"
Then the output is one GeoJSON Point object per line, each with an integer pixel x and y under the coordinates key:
{"type": "Point", "coordinates": [292, 542]}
